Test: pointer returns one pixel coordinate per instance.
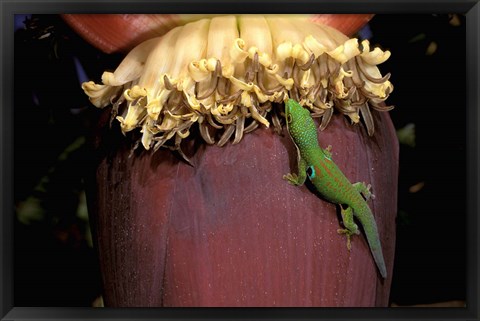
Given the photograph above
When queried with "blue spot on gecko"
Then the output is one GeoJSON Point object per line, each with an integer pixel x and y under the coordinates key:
{"type": "Point", "coordinates": [311, 172]}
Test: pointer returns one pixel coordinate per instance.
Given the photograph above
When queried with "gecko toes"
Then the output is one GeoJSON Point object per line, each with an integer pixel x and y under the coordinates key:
{"type": "Point", "coordinates": [292, 179]}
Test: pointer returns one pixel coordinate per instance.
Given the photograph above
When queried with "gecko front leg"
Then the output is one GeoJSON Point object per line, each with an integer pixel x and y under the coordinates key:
{"type": "Point", "coordinates": [299, 179]}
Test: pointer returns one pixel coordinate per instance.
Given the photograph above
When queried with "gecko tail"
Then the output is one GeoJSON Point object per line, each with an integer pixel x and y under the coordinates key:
{"type": "Point", "coordinates": [373, 239]}
{"type": "Point", "coordinates": [378, 257]}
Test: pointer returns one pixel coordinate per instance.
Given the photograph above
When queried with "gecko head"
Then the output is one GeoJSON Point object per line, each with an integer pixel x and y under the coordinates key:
{"type": "Point", "coordinates": [294, 112]}
{"type": "Point", "coordinates": [300, 125]}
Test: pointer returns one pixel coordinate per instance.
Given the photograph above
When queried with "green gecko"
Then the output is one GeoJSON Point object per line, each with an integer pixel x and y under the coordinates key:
{"type": "Point", "coordinates": [316, 163]}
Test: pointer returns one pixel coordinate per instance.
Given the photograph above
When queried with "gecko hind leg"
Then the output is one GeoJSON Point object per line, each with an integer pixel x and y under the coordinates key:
{"type": "Point", "coordinates": [350, 227]}
{"type": "Point", "coordinates": [364, 189]}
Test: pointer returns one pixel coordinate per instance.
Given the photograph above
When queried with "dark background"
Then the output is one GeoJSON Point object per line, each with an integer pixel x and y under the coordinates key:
{"type": "Point", "coordinates": [55, 263]}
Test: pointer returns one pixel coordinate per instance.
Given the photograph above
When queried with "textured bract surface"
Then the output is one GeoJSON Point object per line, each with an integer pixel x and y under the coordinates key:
{"type": "Point", "coordinates": [231, 232]}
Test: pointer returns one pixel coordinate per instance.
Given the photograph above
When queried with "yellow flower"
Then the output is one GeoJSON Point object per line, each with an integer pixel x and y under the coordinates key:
{"type": "Point", "coordinates": [228, 74]}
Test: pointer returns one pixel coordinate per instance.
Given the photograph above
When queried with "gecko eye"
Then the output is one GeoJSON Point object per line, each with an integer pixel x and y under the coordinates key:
{"type": "Point", "coordinates": [311, 172]}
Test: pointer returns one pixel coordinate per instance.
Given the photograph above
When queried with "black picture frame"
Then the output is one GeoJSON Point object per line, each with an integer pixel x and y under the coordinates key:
{"type": "Point", "coordinates": [8, 8]}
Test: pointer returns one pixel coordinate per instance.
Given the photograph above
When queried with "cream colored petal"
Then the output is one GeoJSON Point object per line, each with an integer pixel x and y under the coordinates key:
{"type": "Point", "coordinates": [154, 107]}
{"type": "Point", "coordinates": [378, 89]}
{"type": "Point", "coordinates": [147, 136]}
{"type": "Point", "coordinates": [287, 83]}
{"type": "Point", "coordinates": [222, 33]}
{"type": "Point", "coordinates": [240, 84]}
{"type": "Point", "coordinates": [286, 34]}
{"type": "Point", "coordinates": [309, 29]}
{"type": "Point", "coordinates": [157, 66]}
{"type": "Point", "coordinates": [199, 70]}
{"type": "Point", "coordinates": [282, 31]}
{"type": "Point", "coordinates": [333, 34]}
{"type": "Point", "coordinates": [100, 95]}
{"type": "Point", "coordinates": [238, 52]}
{"type": "Point", "coordinates": [314, 46]}
{"type": "Point", "coordinates": [134, 93]}
{"type": "Point", "coordinates": [132, 66]}
{"type": "Point", "coordinates": [254, 30]}
{"type": "Point", "coordinates": [135, 113]}
{"type": "Point", "coordinates": [192, 100]}
{"type": "Point", "coordinates": [339, 84]}
{"type": "Point", "coordinates": [374, 57]}
{"type": "Point", "coordinates": [346, 51]}
{"type": "Point", "coordinates": [168, 123]}
{"type": "Point", "coordinates": [190, 46]}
